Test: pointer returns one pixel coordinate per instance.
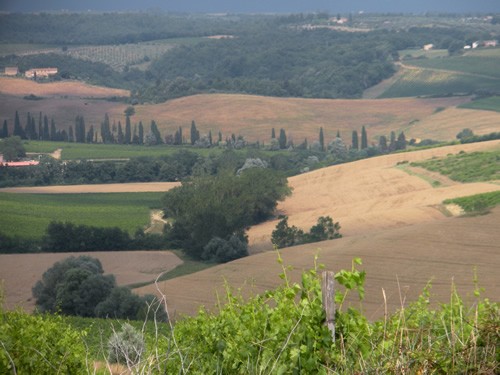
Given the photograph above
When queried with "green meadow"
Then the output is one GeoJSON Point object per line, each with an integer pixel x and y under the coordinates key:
{"type": "Point", "coordinates": [28, 215]}
{"type": "Point", "coordinates": [77, 151]}
{"type": "Point", "coordinates": [466, 167]}
{"type": "Point", "coordinates": [487, 104]}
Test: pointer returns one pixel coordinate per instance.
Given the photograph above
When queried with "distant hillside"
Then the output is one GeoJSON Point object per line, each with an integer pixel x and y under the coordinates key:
{"type": "Point", "coordinates": [251, 116]}
{"type": "Point", "coordinates": [435, 74]}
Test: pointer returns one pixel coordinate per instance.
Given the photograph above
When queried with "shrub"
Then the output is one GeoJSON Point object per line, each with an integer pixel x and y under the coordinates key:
{"type": "Point", "coordinates": [39, 344]}
{"type": "Point", "coordinates": [126, 347]}
{"type": "Point", "coordinates": [223, 251]}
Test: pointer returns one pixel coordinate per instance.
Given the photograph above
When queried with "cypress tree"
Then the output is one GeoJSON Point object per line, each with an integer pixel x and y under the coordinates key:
{"type": "Point", "coordinates": [355, 140]}
{"type": "Point", "coordinates": [128, 132]}
{"type": "Point", "coordinates": [40, 127]}
{"type": "Point", "coordinates": [156, 132]}
{"type": "Point", "coordinates": [195, 134]}
{"type": "Point", "coordinates": [392, 144]}
{"type": "Point", "coordinates": [18, 130]}
{"type": "Point", "coordinates": [282, 139]}
{"type": "Point", "coordinates": [401, 141]}
{"type": "Point", "coordinates": [71, 136]}
{"type": "Point", "coordinates": [90, 134]}
{"type": "Point", "coordinates": [382, 143]}
{"type": "Point", "coordinates": [120, 138]}
{"type": "Point", "coordinates": [46, 132]}
{"type": "Point", "coordinates": [220, 136]}
{"type": "Point", "coordinates": [364, 138]}
{"type": "Point", "coordinates": [141, 133]}
{"type": "Point", "coordinates": [210, 137]}
{"type": "Point", "coordinates": [321, 139]}
{"type": "Point", "coordinates": [135, 137]}
{"type": "Point", "coordinates": [53, 130]}
{"type": "Point", "coordinates": [273, 134]}
{"type": "Point", "coordinates": [5, 130]}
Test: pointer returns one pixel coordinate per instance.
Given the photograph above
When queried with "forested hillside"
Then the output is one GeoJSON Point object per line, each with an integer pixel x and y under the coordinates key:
{"type": "Point", "coordinates": [285, 56]}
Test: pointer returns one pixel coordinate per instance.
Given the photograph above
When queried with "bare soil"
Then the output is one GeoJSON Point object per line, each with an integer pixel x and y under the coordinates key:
{"type": "Point", "coordinates": [20, 272]}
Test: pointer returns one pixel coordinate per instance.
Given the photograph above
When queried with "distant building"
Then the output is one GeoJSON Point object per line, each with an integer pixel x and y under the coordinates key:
{"type": "Point", "coordinates": [428, 47]}
{"type": "Point", "coordinates": [475, 44]}
{"type": "Point", "coordinates": [11, 70]}
{"type": "Point", "coordinates": [490, 43]}
{"type": "Point", "coordinates": [40, 72]}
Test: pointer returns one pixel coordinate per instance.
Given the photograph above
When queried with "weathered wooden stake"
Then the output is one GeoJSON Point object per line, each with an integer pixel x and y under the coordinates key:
{"type": "Point", "coordinates": [328, 293]}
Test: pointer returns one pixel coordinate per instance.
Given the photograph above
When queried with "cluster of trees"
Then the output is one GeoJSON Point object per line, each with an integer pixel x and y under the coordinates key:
{"type": "Point", "coordinates": [285, 235]}
{"type": "Point", "coordinates": [78, 286]}
{"type": "Point", "coordinates": [68, 237]}
{"type": "Point", "coordinates": [467, 136]}
{"type": "Point", "coordinates": [12, 149]}
{"type": "Point", "coordinates": [210, 214]}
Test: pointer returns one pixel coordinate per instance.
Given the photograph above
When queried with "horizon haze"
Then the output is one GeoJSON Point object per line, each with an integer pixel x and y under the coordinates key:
{"type": "Point", "coordinates": [257, 6]}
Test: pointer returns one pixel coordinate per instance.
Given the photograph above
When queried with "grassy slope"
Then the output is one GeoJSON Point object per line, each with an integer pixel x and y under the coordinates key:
{"type": "Point", "coordinates": [487, 104]}
{"type": "Point", "coordinates": [27, 215]}
{"type": "Point", "coordinates": [442, 75]}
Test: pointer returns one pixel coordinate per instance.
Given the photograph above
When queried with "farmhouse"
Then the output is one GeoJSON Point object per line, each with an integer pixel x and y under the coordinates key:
{"type": "Point", "coordinates": [11, 71]}
{"type": "Point", "coordinates": [490, 43]}
{"type": "Point", "coordinates": [40, 72]}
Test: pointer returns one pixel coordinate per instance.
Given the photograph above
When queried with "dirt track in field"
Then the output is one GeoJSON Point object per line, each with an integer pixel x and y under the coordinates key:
{"type": "Point", "coordinates": [140, 187]}
{"type": "Point", "coordinates": [20, 272]}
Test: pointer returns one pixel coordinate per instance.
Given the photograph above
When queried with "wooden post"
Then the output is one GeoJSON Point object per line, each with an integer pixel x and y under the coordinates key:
{"type": "Point", "coordinates": [328, 293]}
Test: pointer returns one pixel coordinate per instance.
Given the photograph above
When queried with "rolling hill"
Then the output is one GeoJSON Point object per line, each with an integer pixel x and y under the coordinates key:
{"type": "Point", "coordinates": [389, 218]}
{"type": "Point", "coordinates": [251, 116]}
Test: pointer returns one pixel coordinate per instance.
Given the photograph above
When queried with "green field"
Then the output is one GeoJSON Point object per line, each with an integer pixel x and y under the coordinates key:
{"type": "Point", "coordinates": [78, 151]}
{"type": "Point", "coordinates": [470, 64]}
{"type": "Point", "coordinates": [464, 167]}
{"type": "Point", "coordinates": [426, 82]}
{"type": "Point", "coordinates": [28, 215]}
{"type": "Point", "coordinates": [416, 53]}
{"type": "Point", "coordinates": [486, 104]}
{"type": "Point", "coordinates": [438, 74]}
{"type": "Point", "coordinates": [478, 202]}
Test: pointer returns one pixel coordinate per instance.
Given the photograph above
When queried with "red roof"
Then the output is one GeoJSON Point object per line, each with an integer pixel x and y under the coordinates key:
{"type": "Point", "coordinates": [20, 163]}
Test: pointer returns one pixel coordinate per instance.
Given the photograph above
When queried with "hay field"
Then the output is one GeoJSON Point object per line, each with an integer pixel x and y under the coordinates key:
{"type": "Point", "coordinates": [20, 272]}
{"type": "Point", "coordinates": [388, 217]}
{"type": "Point", "coordinates": [251, 116]}
{"type": "Point", "coordinates": [255, 116]}
{"type": "Point", "coordinates": [134, 187]}
{"type": "Point", "coordinates": [22, 87]}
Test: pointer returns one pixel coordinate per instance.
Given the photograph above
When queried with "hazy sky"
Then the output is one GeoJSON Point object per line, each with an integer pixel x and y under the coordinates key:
{"type": "Point", "coordinates": [251, 6]}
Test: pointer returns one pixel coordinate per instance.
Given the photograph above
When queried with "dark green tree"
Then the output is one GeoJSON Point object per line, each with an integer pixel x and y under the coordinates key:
{"type": "Point", "coordinates": [355, 140]}
{"type": "Point", "coordinates": [401, 142]}
{"type": "Point", "coordinates": [273, 133]}
{"type": "Point", "coordinates": [392, 144]}
{"type": "Point", "coordinates": [18, 130]}
{"type": "Point", "coordinates": [195, 134]}
{"type": "Point", "coordinates": [128, 131]}
{"type": "Point", "coordinates": [73, 286]}
{"type": "Point", "coordinates": [364, 138]}
{"type": "Point", "coordinates": [382, 143]}
{"type": "Point", "coordinates": [90, 134]}
{"type": "Point", "coordinates": [71, 137]}
{"type": "Point", "coordinates": [321, 139]}
{"type": "Point", "coordinates": [5, 130]}
{"type": "Point", "coordinates": [210, 140]}
{"type": "Point", "coordinates": [46, 132]}
{"type": "Point", "coordinates": [141, 133]}
{"type": "Point", "coordinates": [12, 148]}
{"type": "Point", "coordinates": [156, 133]}
{"type": "Point", "coordinates": [120, 139]}
{"type": "Point", "coordinates": [53, 130]}
{"type": "Point", "coordinates": [282, 139]}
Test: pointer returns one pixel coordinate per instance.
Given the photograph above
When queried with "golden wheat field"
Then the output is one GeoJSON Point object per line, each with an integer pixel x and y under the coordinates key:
{"type": "Point", "coordinates": [248, 115]}
{"type": "Point", "coordinates": [389, 218]}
